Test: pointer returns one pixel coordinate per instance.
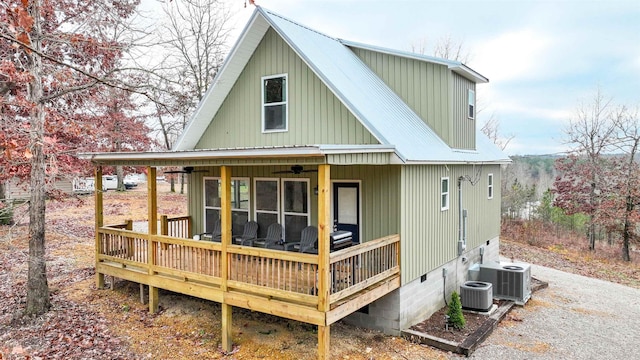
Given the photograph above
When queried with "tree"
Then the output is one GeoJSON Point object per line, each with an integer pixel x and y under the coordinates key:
{"type": "Point", "coordinates": [491, 128]}
{"type": "Point", "coordinates": [54, 55]}
{"type": "Point", "coordinates": [627, 125]}
{"type": "Point", "coordinates": [456, 318]}
{"type": "Point", "coordinates": [193, 40]}
{"type": "Point", "coordinates": [591, 133]}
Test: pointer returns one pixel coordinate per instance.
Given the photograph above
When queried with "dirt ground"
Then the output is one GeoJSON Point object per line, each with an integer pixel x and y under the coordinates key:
{"type": "Point", "coordinates": [86, 323]}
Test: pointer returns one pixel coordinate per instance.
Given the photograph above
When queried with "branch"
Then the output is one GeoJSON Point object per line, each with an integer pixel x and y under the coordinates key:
{"type": "Point", "coordinates": [97, 79]}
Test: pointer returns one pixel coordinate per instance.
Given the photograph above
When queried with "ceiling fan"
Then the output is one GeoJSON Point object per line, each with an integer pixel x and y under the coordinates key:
{"type": "Point", "coordinates": [185, 170]}
{"type": "Point", "coordinates": [295, 169]}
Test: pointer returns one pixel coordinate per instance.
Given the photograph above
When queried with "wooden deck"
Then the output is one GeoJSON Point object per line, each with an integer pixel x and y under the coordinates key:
{"type": "Point", "coordinates": [272, 281]}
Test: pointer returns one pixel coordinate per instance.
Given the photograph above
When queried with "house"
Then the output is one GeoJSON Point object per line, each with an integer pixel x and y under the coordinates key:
{"type": "Point", "coordinates": [300, 128]}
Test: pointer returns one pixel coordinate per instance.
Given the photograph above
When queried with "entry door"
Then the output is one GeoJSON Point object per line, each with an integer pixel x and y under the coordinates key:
{"type": "Point", "coordinates": [346, 208]}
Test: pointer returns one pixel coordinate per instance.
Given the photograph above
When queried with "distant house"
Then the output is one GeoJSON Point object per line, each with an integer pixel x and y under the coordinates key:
{"type": "Point", "coordinates": [303, 129]}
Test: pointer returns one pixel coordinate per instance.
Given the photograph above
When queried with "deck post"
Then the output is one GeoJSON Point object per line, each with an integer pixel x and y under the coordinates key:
{"type": "Point", "coordinates": [152, 208]}
{"type": "Point", "coordinates": [99, 207]}
{"type": "Point", "coordinates": [225, 222]}
{"type": "Point", "coordinates": [324, 229]}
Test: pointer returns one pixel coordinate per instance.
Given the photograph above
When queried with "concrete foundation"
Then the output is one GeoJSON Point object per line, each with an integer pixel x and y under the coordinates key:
{"type": "Point", "coordinates": [420, 298]}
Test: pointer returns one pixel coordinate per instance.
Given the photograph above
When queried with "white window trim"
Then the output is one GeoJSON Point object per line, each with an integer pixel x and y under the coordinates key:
{"type": "Point", "coordinates": [286, 103]}
{"type": "Point", "coordinates": [447, 193]}
{"type": "Point", "coordinates": [219, 208]}
{"type": "Point", "coordinates": [470, 105]}
{"type": "Point", "coordinates": [285, 213]}
{"type": "Point", "coordinates": [255, 196]}
{"type": "Point", "coordinates": [490, 186]}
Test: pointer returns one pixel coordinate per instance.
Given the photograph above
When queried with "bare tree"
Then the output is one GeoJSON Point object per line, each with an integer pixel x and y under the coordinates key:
{"type": "Point", "coordinates": [193, 45]}
{"type": "Point", "coordinates": [491, 128]}
{"type": "Point", "coordinates": [195, 38]}
{"type": "Point", "coordinates": [445, 47]}
{"type": "Point", "coordinates": [627, 124]}
{"type": "Point", "coordinates": [591, 133]}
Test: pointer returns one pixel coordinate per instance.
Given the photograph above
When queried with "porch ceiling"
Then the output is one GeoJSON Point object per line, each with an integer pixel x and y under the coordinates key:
{"type": "Point", "coordinates": [283, 155]}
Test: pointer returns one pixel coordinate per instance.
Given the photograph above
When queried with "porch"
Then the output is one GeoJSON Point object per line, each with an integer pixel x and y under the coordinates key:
{"type": "Point", "coordinates": [318, 289]}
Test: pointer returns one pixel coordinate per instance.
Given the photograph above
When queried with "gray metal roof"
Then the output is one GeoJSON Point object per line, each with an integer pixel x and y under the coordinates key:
{"type": "Point", "coordinates": [381, 111]}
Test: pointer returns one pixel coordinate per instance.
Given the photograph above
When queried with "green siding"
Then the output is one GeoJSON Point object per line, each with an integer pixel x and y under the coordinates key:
{"type": "Point", "coordinates": [429, 235]}
{"type": "Point", "coordinates": [379, 188]}
{"type": "Point", "coordinates": [464, 129]}
{"type": "Point", "coordinates": [316, 116]}
{"type": "Point", "coordinates": [423, 86]}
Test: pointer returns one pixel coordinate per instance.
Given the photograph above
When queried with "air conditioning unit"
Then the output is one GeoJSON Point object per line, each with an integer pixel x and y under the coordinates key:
{"type": "Point", "coordinates": [476, 295]}
{"type": "Point", "coordinates": [510, 281]}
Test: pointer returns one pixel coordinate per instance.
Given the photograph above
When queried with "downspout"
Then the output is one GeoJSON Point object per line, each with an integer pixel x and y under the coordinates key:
{"type": "Point", "coordinates": [461, 220]}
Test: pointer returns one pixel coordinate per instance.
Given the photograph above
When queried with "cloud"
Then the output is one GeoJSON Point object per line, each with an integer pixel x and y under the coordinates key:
{"type": "Point", "coordinates": [513, 55]}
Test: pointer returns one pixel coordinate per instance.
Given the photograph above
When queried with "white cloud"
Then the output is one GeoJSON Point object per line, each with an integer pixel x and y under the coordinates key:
{"type": "Point", "coordinates": [512, 55]}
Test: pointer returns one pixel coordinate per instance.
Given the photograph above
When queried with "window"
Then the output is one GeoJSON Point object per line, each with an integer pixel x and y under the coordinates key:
{"type": "Point", "coordinates": [472, 104]}
{"type": "Point", "coordinates": [444, 193]}
{"type": "Point", "coordinates": [239, 203]}
{"type": "Point", "coordinates": [490, 186]}
{"type": "Point", "coordinates": [274, 103]}
{"type": "Point", "coordinates": [267, 204]}
{"type": "Point", "coordinates": [295, 207]}
{"type": "Point", "coordinates": [284, 201]}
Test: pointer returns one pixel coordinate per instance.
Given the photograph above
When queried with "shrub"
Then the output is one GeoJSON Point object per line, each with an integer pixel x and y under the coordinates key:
{"type": "Point", "coordinates": [456, 319]}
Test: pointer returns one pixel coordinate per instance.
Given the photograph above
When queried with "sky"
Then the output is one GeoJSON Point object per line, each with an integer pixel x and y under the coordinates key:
{"type": "Point", "coordinates": [543, 58]}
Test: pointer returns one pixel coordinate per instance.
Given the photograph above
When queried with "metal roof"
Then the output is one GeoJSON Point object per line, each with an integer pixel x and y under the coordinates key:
{"type": "Point", "coordinates": [381, 111]}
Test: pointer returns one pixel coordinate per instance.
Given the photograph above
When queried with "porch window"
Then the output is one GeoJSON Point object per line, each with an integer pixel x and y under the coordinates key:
{"type": "Point", "coordinates": [239, 202]}
{"type": "Point", "coordinates": [267, 199]}
{"type": "Point", "coordinates": [295, 206]}
{"type": "Point", "coordinates": [284, 201]}
{"type": "Point", "coordinates": [274, 103]}
{"type": "Point", "coordinates": [444, 193]}
{"type": "Point", "coordinates": [490, 186]}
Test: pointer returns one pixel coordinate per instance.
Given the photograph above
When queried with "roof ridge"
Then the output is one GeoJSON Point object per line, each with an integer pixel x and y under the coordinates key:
{"type": "Point", "coordinates": [297, 24]}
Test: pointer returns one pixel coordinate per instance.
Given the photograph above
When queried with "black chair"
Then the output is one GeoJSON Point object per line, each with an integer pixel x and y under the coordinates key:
{"type": "Point", "coordinates": [249, 233]}
{"type": "Point", "coordinates": [308, 241]}
{"type": "Point", "coordinates": [274, 236]}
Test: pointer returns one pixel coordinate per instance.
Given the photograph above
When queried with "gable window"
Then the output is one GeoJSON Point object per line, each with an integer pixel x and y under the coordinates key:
{"type": "Point", "coordinates": [444, 193]}
{"type": "Point", "coordinates": [274, 103]}
{"type": "Point", "coordinates": [490, 186]}
{"type": "Point", "coordinates": [239, 203]}
{"type": "Point", "coordinates": [472, 104]}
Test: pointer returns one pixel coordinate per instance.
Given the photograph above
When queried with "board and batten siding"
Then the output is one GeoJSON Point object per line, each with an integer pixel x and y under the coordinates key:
{"type": "Point", "coordinates": [430, 235]}
{"type": "Point", "coordinates": [316, 116]}
{"type": "Point", "coordinates": [379, 188]}
{"type": "Point", "coordinates": [464, 128]}
{"type": "Point", "coordinates": [422, 85]}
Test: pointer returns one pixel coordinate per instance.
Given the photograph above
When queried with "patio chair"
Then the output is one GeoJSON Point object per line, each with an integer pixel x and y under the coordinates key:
{"type": "Point", "coordinates": [274, 236]}
{"type": "Point", "coordinates": [307, 243]}
{"type": "Point", "coordinates": [249, 234]}
{"type": "Point", "coordinates": [215, 235]}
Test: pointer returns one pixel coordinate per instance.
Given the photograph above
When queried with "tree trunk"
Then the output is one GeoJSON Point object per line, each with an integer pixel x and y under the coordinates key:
{"type": "Point", "coordinates": [38, 301]}
{"type": "Point", "coordinates": [120, 177]}
{"type": "Point", "coordinates": [172, 181]}
{"type": "Point", "coordinates": [181, 184]}
{"type": "Point", "coordinates": [626, 232]}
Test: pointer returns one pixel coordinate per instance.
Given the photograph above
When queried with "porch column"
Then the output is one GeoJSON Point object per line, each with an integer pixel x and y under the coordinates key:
{"type": "Point", "coordinates": [99, 207]}
{"type": "Point", "coordinates": [324, 229]}
{"type": "Point", "coordinates": [152, 208]}
{"type": "Point", "coordinates": [225, 222]}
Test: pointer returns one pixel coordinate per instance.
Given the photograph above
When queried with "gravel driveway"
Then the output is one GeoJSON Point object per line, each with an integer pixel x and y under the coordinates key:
{"type": "Point", "coordinates": [576, 317]}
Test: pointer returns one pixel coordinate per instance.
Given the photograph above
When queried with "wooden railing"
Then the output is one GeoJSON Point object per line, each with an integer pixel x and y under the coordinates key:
{"type": "Point", "coordinates": [274, 273]}
{"type": "Point", "coordinates": [288, 276]}
{"type": "Point", "coordinates": [358, 267]}
{"type": "Point", "coordinates": [177, 227]}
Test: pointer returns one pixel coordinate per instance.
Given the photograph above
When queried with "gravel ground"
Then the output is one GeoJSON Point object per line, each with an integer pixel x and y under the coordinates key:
{"type": "Point", "coordinates": [576, 317]}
